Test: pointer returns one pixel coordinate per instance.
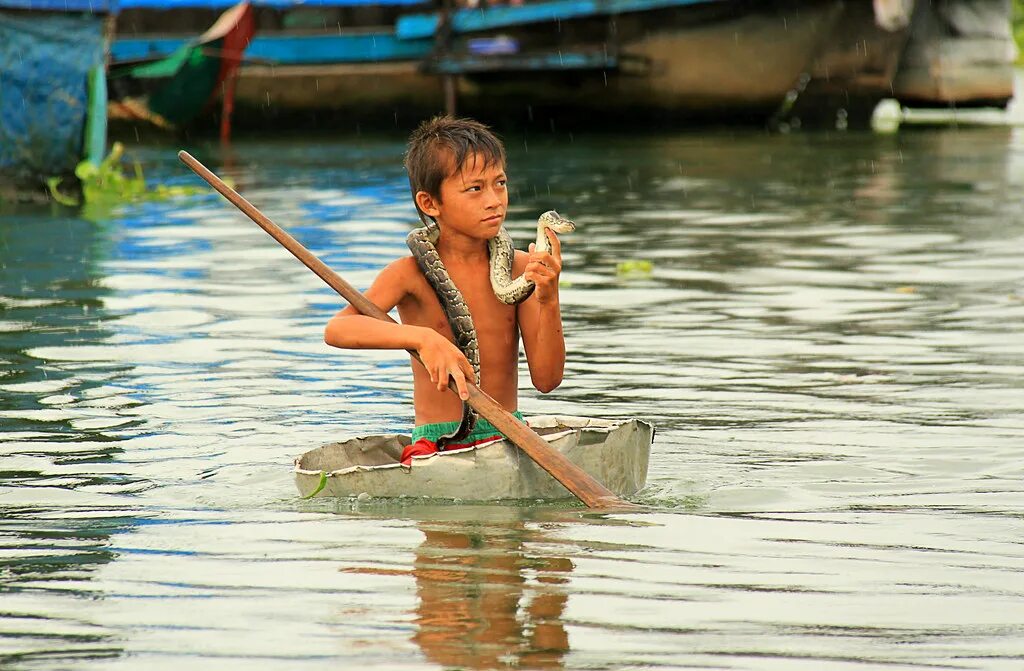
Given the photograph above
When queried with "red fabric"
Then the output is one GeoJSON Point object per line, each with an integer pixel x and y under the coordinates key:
{"type": "Point", "coordinates": [420, 448]}
{"type": "Point", "coordinates": [423, 447]}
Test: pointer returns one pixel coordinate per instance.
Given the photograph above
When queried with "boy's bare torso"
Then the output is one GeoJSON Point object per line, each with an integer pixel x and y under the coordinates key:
{"type": "Point", "coordinates": [469, 210]}
{"type": "Point", "coordinates": [496, 326]}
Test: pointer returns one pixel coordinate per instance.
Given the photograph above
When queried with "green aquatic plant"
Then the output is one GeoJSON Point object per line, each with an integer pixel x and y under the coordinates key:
{"type": "Point", "coordinates": [320, 485]}
{"type": "Point", "coordinates": [633, 268]}
{"type": "Point", "coordinates": [107, 183]}
{"type": "Point", "coordinates": [102, 182]}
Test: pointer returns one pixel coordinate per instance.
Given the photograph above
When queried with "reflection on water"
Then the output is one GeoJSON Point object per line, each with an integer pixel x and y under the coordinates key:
{"type": "Point", "coordinates": [484, 602]}
{"type": "Point", "coordinates": [824, 328]}
{"type": "Point", "coordinates": [489, 593]}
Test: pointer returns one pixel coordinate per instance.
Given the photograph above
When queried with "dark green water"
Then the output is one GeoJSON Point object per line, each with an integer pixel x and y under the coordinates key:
{"type": "Point", "coordinates": [828, 341]}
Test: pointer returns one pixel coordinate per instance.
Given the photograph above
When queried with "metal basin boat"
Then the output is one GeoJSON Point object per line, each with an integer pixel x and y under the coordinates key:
{"type": "Point", "coordinates": [616, 453]}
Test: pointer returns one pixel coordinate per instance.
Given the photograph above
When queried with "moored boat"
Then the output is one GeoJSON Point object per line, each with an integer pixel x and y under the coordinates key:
{"type": "Point", "coordinates": [171, 90]}
{"type": "Point", "coordinates": [787, 62]}
{"type": "Point", "coordinates": [616, 453]}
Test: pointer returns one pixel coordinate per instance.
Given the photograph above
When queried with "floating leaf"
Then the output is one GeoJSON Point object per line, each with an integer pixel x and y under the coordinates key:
{"type": "Point", "coordinates": [52, 183]}
{"type": "Point", "coordinates": [320, 485]}
{"type": "Point", "coordinates": [633, 267]}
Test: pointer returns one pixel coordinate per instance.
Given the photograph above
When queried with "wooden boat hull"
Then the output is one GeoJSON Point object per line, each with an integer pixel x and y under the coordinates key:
{"type": "Point", "coordinates": [615, 453]}
{"type": "Point", "coordinates": [788, 62]}
{"type": "Point", "coordinates": [960, 54]}
{"type": "Point", "coordinates": [172, 91]}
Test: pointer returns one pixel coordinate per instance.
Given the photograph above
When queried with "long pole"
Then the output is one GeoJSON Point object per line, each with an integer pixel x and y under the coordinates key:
{"type": "Point", "coordinates": [572, 477]}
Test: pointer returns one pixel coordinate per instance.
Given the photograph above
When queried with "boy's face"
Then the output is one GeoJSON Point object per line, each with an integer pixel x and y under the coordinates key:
{"type": "Point", "coordinates": [473, 199]}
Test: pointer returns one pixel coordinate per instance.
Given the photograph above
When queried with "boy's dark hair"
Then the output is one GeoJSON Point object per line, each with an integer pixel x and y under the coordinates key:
{"type": "Point", "coordinates": [441, 145]}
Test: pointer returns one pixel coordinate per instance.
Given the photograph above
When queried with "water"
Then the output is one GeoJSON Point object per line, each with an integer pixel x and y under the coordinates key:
{"type": "Point", "coordinates": [828, 341]}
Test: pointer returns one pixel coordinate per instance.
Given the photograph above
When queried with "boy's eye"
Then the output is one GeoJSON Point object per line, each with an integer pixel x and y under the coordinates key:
{"type": "Point", "coordinates": [473, 188]}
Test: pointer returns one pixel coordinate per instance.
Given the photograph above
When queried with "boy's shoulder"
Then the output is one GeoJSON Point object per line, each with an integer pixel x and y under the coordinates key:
{"type": "Point", "coordinates": [399, 281]}
{"type": "Point", "coordinates": [405, 272]}
{"type": "Point", "coordinates": [402, 265]}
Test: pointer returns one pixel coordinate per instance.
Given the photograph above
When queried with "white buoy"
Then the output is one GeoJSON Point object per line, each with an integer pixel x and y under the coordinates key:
{"type": "Point", "coordinates": [887, 116]}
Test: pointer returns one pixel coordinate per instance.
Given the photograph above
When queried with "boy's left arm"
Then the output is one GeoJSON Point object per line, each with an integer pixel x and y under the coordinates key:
{"type": "Point", "coordinates": [540, 316]}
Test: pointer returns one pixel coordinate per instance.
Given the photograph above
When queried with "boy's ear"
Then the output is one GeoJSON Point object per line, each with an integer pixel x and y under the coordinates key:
{"type": "Point", "coordinates": [427, 204]}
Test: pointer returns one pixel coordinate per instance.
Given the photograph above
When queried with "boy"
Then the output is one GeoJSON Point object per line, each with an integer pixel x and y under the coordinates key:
{"type": "Point", "coordinates": [457, 175]}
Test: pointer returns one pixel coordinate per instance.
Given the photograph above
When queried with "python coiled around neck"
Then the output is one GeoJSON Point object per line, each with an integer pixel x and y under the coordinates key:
{"type": "Point", "coordinates": [422, 243]}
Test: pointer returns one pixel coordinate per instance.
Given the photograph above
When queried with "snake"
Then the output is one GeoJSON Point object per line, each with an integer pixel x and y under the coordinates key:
{"type": "Point", "coordinates": [501, 252]}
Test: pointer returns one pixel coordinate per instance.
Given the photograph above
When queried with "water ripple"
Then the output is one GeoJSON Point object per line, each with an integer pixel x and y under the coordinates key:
{"type": "Point", "coordinates": [823, 330]}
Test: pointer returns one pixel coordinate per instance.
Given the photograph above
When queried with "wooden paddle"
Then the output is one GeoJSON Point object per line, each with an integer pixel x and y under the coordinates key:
{"type": "Point", "coordinates": [572, 477]}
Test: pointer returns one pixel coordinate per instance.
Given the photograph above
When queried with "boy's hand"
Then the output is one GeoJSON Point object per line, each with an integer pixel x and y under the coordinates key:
{"type": "Point", "coordinates": [443, 359]}
{"type": "Point", "coordinates": [543, 268]}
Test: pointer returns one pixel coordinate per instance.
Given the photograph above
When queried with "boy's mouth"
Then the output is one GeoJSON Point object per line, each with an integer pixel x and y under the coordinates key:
{"type": "Point", "coordinates": [494, 219]}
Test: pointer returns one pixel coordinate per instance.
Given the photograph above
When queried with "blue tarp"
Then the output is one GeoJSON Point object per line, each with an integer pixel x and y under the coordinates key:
{"type": "Point", "coordinates": [88, 6]}
{"type": "Point", "coordinates": [44, 64]}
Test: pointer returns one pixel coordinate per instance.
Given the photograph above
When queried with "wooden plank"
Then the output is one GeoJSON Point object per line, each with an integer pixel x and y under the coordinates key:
{"type": "Point", "coordinates": [419, 26]}
{"type": "Point", "coordinates": [292, 49]}
{"type": "Point", "coordinates": [142, 48]}
{"type": "Point", "coordinates": [367, 47]}
{"type": "Point", "coordinates": [583, 60]}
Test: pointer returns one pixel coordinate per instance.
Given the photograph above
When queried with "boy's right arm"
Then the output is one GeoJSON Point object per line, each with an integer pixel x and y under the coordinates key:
{"type": "Point", "coordinates": [352, 330]}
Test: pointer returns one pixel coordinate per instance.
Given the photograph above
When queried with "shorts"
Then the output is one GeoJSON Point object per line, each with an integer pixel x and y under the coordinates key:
{"type": "Point", "coordinates": [424, 437]}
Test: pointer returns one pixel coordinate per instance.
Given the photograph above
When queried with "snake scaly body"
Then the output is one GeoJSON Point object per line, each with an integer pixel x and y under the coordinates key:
{"type": "Point", "coordinates": [502, 253]}
{"type": "Point", "coordinates": [421, 242]}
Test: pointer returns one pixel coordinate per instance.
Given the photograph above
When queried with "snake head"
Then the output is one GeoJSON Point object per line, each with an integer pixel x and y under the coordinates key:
{"type": "Point", "coordinates": [556, 222]}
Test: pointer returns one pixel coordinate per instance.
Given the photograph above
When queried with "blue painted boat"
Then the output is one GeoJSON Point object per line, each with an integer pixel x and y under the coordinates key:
{"type": "Point", "coordinates": [52, 90]}
{"type": "Point", "coordinates": [780, 60]}
{"type": "Point", "coordinates": [171, 91]}
{"type": "Point", "coordinates": [280, 47]}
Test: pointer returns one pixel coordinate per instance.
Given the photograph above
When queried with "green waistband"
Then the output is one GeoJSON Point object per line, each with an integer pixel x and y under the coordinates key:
{"type": "Point", "coordinates": [482, 430]}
